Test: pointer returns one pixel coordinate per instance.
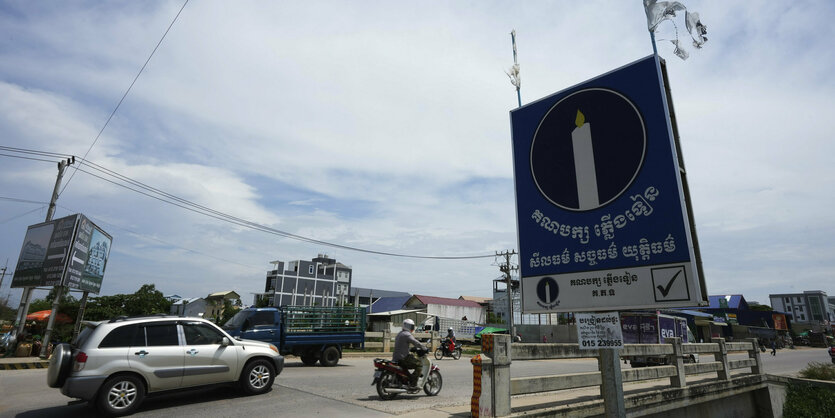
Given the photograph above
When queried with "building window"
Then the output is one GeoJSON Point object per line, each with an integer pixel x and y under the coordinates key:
{"type": "Point", "coordinates": [788, 300]}
{"type": "Point", "coordinates": [802, 317]}
{"type": "Point", "coordinates": [800, 309]}
{"type": "Point", "coordinates": [797, 299]}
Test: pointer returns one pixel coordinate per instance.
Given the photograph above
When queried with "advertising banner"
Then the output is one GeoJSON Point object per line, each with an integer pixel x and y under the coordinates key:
{"type": "Point", "coordinates": [779, 321]}
{"type": "Point", "coordinates": [44, 253]}
{"type": "Point", "coordinates": [601, 215]}
{"type": "Point", "coordinates": [599, 330]}
{"type": "Point", "coordinates": [70, 251]}
{"type": "Point", "coordinates": [88, 257]}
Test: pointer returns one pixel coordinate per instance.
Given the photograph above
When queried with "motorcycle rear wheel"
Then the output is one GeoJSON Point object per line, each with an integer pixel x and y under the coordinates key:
{"type": "Point", "coordinates": [456, 354]}
{"type": "Point", "coordinates": [433, 383]}
{"type": "Point", "coordinates": [439, 353]}
{"type": "Point", "coordinates": [387, 379]}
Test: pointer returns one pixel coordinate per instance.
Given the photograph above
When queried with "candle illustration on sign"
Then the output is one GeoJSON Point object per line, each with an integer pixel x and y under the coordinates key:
{"type": "Point", "coordinates": [584, 164]}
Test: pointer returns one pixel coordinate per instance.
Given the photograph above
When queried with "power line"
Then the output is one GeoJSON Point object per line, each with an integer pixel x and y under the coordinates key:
{"type": "Point", "coordinates": [22, 214]}
{"type": "Point", "coordinates": [125, 95]}
{"type": "Point", "coordinates": [111, 225]}
{"type": "Point", "coordinates": [136, 186]}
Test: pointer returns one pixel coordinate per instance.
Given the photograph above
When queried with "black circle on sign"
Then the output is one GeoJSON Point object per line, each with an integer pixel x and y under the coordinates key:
{"type": "Point", "coordinates": [618, 140]}
{"type": "Point", "coordinates": [547, 290]}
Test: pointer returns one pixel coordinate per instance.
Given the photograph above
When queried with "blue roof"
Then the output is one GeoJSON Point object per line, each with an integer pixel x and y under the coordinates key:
{"type": "Point", "coordinates": [391, 303]}
{"type": "Point", "coordinates": [734, 301]}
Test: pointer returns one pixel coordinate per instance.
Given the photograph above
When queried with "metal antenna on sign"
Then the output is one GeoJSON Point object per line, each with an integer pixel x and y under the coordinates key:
{"type": "Point", "coordinates": [513, 72]}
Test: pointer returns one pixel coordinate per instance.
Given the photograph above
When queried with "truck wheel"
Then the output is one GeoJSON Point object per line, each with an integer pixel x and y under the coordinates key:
{"type": "Point", "coordinates": [120, 395]}
{"type": "Point", "coordinates": [330, 357]}
{"type": "Point", "coordinates": [309, 359]}
{"type": "Point", "coordinates": [257, 377]}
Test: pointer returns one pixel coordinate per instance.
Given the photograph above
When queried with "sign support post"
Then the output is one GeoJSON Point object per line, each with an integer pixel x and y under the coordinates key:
{"type": "Point", "coordinates": [611, 387]}
{"type": "Point", "coordinates": [81, 308]}
{"type": "Point", "coordinates": [26, 297]}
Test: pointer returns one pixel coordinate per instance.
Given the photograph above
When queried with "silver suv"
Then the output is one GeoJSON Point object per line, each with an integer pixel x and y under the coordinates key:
{"type": "Point", "coordinates": [114, 364]}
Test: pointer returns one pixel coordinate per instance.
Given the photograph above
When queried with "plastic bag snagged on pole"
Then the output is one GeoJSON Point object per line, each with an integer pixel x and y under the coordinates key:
{"type": "Point", "coordinates": [660, 11]}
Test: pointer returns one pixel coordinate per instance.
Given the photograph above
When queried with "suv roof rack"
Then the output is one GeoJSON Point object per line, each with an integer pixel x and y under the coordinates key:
{"type": "Point", "coordinates": [125, 317]}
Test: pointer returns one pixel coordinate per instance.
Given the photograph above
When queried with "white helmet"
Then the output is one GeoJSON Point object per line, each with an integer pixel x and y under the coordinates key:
{"type": "Point", "coordinates": [450, 329]}
{"type": "Point", "coordinates": [408, 324]}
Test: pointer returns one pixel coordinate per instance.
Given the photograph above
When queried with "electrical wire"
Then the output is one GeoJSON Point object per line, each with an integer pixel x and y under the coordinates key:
{"type": "Point", "coordinates": [137, 234]}
{"type": "Point", "coordinates": [125, 95]}
{"type": "Point", "coordinates": [136, 186]}
{"type": "Point", "coordinates": [23, 214]}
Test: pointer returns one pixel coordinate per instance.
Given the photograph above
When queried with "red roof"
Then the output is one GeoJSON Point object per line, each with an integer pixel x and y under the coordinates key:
{"type": "Point", "coordinates": [426, 300]}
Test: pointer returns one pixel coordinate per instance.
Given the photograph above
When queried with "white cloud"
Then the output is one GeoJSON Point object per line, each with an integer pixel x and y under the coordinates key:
{"type": "Point", "coordinates": [385, 126]}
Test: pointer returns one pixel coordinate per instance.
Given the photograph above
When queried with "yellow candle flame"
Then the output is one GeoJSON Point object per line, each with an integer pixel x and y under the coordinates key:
{"type": "Point", "coordinates": [581, 119]}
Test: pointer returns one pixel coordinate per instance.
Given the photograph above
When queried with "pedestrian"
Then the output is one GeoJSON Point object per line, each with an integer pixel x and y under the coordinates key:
{"type": "Point", "coordinates": [544, 338]}
{"type": "Point", "coordinates": [773, 348]}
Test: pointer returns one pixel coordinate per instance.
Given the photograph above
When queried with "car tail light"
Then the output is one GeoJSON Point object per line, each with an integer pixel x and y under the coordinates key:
{"type": "Point", "coordinates": [80, 361]}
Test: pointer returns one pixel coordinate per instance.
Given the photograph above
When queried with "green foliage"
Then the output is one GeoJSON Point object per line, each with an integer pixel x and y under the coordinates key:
{"type": "Point", "coordinates": [7, 312]}
{"type": "Point", "coordinates": [762, 308]}
{"type": "Point", "coordinates": [805, 400]}
{"type": "Point", "coordinates": [229, 310]}
{"type": "Point", "coordinates": [262, 302]}
{"type": "Point", "coordinates": [494, 319]}
{"type": "Point", "coordinates": [819, 371]}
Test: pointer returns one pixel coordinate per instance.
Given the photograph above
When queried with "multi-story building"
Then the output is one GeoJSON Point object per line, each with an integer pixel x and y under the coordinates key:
{"type": "Point", "coordinates": [321, 281]}
{"type": "Point", "coordinates": [810, 307]}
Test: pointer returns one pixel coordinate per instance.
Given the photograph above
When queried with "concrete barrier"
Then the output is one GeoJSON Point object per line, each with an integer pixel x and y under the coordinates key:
{"type": "Point", "coordinates": [497, 352]}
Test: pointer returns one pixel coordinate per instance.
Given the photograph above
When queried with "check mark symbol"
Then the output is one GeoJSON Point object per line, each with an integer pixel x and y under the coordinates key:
{"type": "Point", "coordinates": [665, 290]}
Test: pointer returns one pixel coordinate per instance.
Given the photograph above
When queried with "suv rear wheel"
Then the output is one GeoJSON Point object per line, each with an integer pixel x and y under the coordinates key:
{"type": "Point", "coordinates": [257, 377]}
{"type": "Point", "coordinates": [121, 395]}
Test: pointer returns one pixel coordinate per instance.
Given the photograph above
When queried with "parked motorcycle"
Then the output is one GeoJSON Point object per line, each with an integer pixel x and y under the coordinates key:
{"type": "Point", "coordinates": [392, 380]}
{"type": "Point", "coordinates": [832, 354]}
{"type": "Point", "coordinates": [444, 351]}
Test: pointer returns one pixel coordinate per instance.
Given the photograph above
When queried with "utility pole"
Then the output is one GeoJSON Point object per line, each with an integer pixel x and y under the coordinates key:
{"type": "Point", "coordinates": [25, 299]}
{"type": "Point", "coordinates": [3, 274]}
{"type": "Point", "coordinates": [506, 268]}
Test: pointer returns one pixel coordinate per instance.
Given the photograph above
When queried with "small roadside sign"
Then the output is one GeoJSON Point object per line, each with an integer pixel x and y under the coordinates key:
{"type": "Point", "coordinates": [599, 331]}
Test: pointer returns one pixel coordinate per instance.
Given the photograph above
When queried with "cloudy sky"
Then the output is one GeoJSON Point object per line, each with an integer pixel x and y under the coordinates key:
{"type": "Point", "coordinates": [385, 126]}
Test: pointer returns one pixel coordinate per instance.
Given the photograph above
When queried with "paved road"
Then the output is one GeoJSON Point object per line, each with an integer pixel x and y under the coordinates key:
{"type": "Point", "coordinates": [301, 391]}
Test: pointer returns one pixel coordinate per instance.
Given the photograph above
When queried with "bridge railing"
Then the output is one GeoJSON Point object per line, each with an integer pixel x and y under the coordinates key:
{"type": "Point", "coordinates": [493, 384]}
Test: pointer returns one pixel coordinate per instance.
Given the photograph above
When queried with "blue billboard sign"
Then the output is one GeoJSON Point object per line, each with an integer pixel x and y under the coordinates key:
{"type": "Point", "coordinates": [601, 215]}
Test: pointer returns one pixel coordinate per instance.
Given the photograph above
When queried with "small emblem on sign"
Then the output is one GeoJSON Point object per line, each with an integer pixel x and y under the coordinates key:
{"type": "Point", "coordinates": [670, 284]}
{"type": "Point", "coordinates": [548, 292]}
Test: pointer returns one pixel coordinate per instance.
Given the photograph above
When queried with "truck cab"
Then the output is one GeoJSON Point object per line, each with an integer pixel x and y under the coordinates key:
{"type": "Point", "coordinates": [261, 324]}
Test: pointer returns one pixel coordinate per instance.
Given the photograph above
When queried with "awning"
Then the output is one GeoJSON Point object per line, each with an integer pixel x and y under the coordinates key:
{"type": "Point", "coordinates": [705, 322]}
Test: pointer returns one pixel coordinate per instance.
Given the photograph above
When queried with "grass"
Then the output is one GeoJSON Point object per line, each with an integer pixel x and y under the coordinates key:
{"type": "Point", "coordinates": [805, 400]}
{"type": "Point", "coordinates": [819, 371]}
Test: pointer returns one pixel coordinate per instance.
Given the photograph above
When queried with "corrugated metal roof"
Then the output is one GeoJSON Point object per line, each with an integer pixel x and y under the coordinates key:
{"type": "Point", "coordinates": [397, 312]}
{"type": "Point", "coordinates": [435, 300]}
{"type": "Point", "coordinates": [390, 303]}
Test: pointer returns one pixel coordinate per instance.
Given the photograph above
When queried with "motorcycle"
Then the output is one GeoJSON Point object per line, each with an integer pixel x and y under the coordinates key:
{"type": "Point", "coordinates": [444, 351]}
{"type": "Point", "coordinates": [832, 354]}
{"type": "Point", "coordinates": [392, 380]}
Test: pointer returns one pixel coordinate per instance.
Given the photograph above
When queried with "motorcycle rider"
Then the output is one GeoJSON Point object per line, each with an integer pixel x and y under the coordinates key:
{"type": "Point", "coordinates": [450, 339]}
{"type": "Point", "coordinates": [402, 356]}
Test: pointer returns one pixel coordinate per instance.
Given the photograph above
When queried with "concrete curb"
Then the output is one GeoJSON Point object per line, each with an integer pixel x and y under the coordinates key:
{"type": "Point", "coordinates": [25, 365]}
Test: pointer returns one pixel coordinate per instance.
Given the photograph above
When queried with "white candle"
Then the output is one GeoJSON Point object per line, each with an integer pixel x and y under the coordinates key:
{"type": "Point", "coordinates": [584, 164]}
